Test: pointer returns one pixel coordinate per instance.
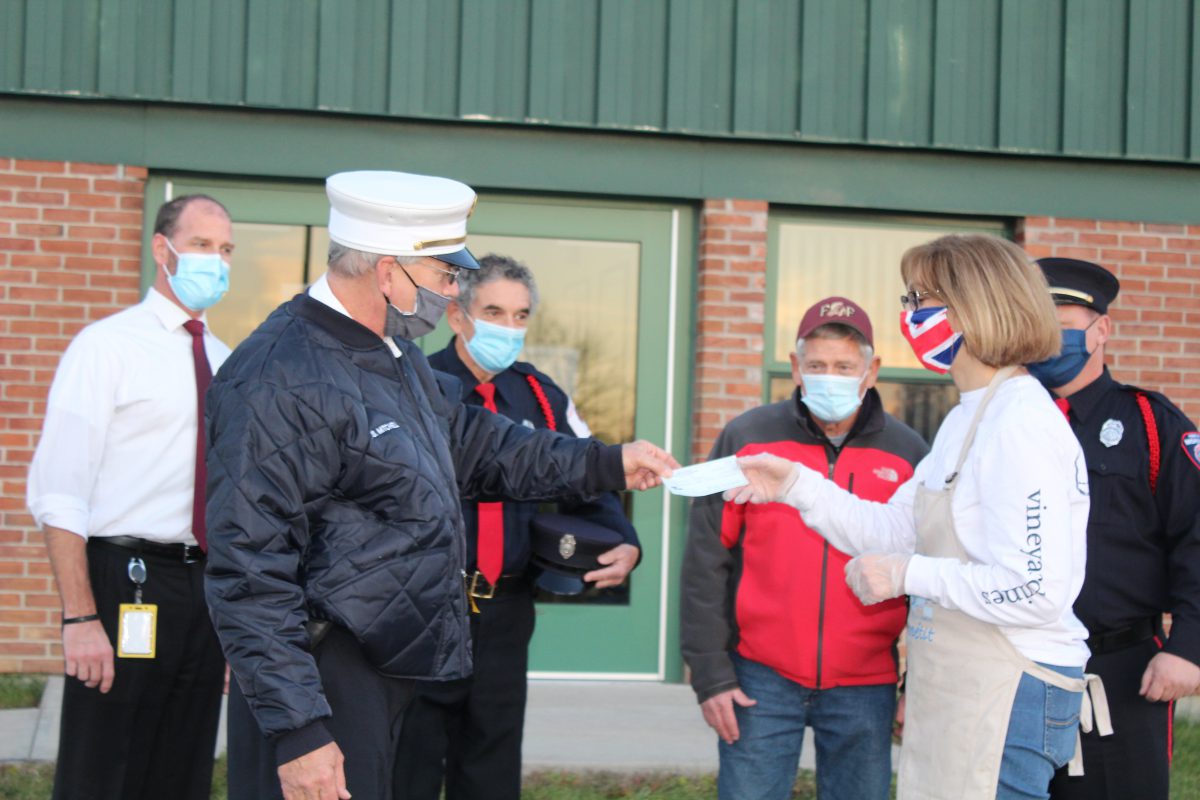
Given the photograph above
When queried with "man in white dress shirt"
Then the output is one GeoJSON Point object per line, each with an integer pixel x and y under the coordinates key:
{"type": "Point", "coordinates": [115, 488]}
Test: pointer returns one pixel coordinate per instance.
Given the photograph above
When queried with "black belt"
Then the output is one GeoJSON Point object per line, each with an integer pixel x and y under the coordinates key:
{"type": "Point", "coordinates": [479, 589]}
{"type": "Point", "coordinates": [1101, 643]}
{"type": "Point", "coordinates": [183, 553]}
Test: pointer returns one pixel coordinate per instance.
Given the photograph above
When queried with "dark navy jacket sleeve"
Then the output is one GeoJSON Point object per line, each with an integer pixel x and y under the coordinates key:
{"type": "Point", "coordinates": [1178, 501]}
{"type": "Point", "coordinates": [493, 457]}
{"type": "Point", "coordinates": [261, 481]}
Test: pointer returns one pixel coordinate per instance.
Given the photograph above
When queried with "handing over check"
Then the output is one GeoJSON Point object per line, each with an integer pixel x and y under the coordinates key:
{"type": "Point", "coordinates": [710, 477]}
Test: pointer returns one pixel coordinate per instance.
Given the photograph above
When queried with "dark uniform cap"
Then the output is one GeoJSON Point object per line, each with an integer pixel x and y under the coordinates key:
{"type": "Point", "coordinates": [1080, 283]}
{"type": "Point", "coordinates": [565, 548]}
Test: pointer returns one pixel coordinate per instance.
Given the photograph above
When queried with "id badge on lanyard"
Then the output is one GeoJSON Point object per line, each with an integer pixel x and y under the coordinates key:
{"type": "Point", "coordinates": [138, 621]}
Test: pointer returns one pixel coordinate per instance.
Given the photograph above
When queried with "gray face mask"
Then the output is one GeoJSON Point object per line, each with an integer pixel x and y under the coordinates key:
{"type": "Point", "coordinates": [424, 317]}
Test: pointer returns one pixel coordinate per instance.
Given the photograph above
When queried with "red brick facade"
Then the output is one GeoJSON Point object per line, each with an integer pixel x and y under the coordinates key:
{"type": "Point", "coordinates": [1156, 340]}
{"type": "Point", "coordinates": [729, 320]}
{"type": "Point", "coordinates": [70, 253]}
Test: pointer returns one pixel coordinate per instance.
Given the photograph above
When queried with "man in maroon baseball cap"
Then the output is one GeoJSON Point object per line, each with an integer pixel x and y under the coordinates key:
{"type": "Point", "coordinates": [835, 364]}
{"type": "Point", "coordinates": [805, 652]}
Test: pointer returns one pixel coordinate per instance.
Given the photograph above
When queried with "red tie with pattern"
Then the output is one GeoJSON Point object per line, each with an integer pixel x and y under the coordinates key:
{"type": "Point", "coordinates": [1064, 405]}
{"type": "Point", "coordinates": [489, 555]}
{"type": "Point", "coordinates": [203, 378]}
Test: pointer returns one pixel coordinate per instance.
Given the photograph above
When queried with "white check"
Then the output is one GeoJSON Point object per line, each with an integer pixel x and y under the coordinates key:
{"type": "Point", "coordinates": [710, 477]}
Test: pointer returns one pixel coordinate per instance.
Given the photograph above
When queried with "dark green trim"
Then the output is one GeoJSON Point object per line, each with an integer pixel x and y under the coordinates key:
{"type": "Point", "coordinates": [259, 143]}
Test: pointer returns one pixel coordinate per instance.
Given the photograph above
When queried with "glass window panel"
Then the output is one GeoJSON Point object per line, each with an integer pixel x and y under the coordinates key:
{"type": "Point", "coordinates": [267, 269]}
{"type": "Point", "coordinates": [318, 252]}
{"type": "Point", "coordinates": [819, 259]}
{"type": "Point", "coordinates": [584, 332]}
{"type": "Point", "coordinates": [920, 405]}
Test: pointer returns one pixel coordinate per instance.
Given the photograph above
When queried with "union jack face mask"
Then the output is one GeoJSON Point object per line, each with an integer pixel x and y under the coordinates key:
{"type": "Point", "coordinates": [928, 333]}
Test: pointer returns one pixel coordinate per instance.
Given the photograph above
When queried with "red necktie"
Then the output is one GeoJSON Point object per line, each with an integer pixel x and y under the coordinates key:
{"type": "Point", "coordinates": [203, 378]}
{"type": "Point", "coordinates": [1064, 405]}
{"type": "Point", "coordinates": [489, 556]}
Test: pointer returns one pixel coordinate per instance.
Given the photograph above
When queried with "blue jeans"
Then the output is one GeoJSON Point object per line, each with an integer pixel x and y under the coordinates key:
{"type": "Point", "coordinates": [1041, 736]}
{"type": "Point", "coordinates": [852, 727]}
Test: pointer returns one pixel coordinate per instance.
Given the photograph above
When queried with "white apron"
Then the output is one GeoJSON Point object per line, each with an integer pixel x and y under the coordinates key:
{"type": "Point", "coordinates": [963, 673]}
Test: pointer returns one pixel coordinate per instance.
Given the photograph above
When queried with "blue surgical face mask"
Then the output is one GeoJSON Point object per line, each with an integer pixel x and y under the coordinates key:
{"type": "Point", "coordinates": [1064, 367]}
{"type": "Point", "coordinates": [200, 279]}
{"type": "Point", "coordinates": [495, 347]}
{"type": "Point", "coordinates": [832, 398]}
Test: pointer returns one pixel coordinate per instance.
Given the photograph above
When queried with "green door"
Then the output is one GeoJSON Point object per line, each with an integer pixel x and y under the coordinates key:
{"type": "Point", "coordinates": [608, 277]}
{"type": "Point", "coordinates": [613, 328]}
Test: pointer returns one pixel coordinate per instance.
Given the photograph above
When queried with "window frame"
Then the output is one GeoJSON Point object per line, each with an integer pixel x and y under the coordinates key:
{"type": "Point", "coordinates": [935, 223]}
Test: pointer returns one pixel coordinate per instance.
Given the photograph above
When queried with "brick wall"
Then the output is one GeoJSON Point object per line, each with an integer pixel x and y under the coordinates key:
{"type": "Point", "coordinates": [1156, 342]}
{"type": "Point", "coordinates": [729, 319]}
{"type": "Point", "coordinates": [70, 250]}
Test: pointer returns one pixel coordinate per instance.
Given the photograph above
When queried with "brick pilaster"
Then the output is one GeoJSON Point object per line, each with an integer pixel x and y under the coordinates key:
{"type": "Point", "coordinates": [1156, 340]}
{"type": "Point", "coordinates": [730, 318]}
{"type": "Point", "coordinates": [70, 253]}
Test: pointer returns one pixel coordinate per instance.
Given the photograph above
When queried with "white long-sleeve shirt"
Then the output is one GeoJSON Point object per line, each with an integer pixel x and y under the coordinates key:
{"type": "Point", "coordinates": [117, 455]}
{"type": "Point", "coordinates": [1020, 510]}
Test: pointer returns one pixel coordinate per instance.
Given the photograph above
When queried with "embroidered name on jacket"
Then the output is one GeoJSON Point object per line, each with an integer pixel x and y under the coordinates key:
{"type": "Point", "coordinates": [384, 428]}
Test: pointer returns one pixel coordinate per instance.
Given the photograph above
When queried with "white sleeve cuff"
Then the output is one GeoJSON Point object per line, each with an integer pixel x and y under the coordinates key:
{"type": "Point", "coordinates": [61, 511]}
{"type": "Point", "coordinates": [802, 494]}
{"type": "Point", "coordinates": [922, 579]}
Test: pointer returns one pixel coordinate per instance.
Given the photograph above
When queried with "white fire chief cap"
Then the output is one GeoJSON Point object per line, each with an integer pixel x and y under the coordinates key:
{"type": "Point", "coordinates": [401, 214]}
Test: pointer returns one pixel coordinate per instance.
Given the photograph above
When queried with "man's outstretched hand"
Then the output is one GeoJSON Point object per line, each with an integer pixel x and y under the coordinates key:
{"type": "Point", "coordinates": [646, 464]}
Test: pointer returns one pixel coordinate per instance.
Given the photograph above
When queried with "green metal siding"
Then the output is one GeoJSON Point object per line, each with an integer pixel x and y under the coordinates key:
{"type": "Point", "coordinates": [833, 77]}
{"type": "Point", "coordinates": [1031, 54]}
{"type": "Point", "coordinates": [632, 79]}
{"type": "Point", "coordinates": [1096, 78]}
{"type": "Point", "coordinates": [1158, 109]}
{"type": "Point", "coordinates": [965, 83]}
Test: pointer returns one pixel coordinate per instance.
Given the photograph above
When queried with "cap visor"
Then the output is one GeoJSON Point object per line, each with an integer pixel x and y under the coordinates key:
{"type": "Point", "coordinates": [557, 583]}
{"type": "Point", "coordinates": [459, 258]}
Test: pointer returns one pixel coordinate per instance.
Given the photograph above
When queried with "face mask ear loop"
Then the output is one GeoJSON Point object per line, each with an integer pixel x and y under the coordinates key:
{"type": "Point", "coordinates": [410, 280]}
{"type": "Point", "coordinates": [175, 253]}
{"type": "Point", "coordinates": [416, 300]}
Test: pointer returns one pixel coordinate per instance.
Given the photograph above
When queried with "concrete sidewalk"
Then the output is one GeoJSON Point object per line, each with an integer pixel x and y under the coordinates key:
{"type": "Point", "coordinates": [571, 725]}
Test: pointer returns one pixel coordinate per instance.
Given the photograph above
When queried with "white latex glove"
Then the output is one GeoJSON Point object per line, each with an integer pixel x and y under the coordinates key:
{"type": "Point", "coordinates": [769, 478]}
{"type": "Point", "coordinates": [875, 577]}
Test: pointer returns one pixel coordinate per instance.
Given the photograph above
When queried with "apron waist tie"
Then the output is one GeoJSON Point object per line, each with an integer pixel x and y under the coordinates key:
{"type": "Point", "coordinates": [1093, 715]}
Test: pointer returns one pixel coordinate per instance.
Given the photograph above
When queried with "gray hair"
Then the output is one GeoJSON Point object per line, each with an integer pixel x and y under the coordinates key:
{"type": "Point", "coordinates": [351, 263]}
{"type": "Point", "coordinates": [835, 330]}
{"type": "Point", "coordinates": [494, 267]}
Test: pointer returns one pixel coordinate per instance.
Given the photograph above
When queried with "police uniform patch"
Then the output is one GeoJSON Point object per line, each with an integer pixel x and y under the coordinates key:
{"type": "Point", "coordinates": [1191, 446]}
{"type": "Point", "coordinates": [1111, 432]}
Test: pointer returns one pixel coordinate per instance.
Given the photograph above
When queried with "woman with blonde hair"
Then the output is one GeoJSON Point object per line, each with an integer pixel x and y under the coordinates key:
{"type": "Point", "coordinates": [987, 538]}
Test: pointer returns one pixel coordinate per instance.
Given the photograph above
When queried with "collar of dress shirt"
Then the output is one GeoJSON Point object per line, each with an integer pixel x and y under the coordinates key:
{"type": "Point", "coordinates": [170, 315]}
{"type": "Point", "coordinates": [322, 293]}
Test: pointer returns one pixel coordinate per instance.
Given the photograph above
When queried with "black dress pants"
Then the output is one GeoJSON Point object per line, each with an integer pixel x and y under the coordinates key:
{"type": "Point", "coordinates": [368, 709]}
{"type": "Point", "coordinates": [1134, 761]}
{"type": "Point", "coordinates": [468, 732]}
{"type": "Point", "coordinates": [153, 734]}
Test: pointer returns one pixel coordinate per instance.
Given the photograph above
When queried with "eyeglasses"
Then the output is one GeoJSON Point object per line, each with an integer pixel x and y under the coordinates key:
{"type": "Point", "coordinates": [912, 300]}
{"type": "Point", "coordinates": [451, 275]}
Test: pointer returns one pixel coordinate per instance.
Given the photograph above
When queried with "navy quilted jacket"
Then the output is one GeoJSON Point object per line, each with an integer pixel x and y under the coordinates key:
{"type": "Point", "coordinates": [335, 477]}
